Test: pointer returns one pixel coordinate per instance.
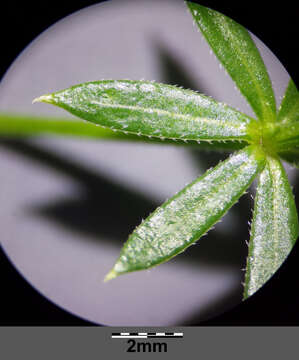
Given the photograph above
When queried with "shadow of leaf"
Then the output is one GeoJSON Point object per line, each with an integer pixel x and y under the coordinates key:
{"type": "Point", "coordinates": [172, 71]}
{"type": "Point", "coordinates": [102, 207]}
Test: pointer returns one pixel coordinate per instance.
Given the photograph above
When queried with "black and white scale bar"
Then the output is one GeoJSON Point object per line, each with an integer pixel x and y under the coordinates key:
{"type": "Point", "coordinates": [145, 335]}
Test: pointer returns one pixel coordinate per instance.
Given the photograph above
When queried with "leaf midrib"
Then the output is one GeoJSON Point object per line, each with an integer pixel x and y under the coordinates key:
{"type": "Point", "coordinates": [162, 112]}
{"type": "Point", "coordinates": [274, 217]}
{"type": "Point", "coordinates": [187, 118]}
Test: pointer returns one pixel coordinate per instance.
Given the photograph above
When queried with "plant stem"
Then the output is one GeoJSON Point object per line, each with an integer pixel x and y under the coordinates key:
{"type": "Point", "coordinates": [20, 125]}
{"type": "Point", "coordinates": [17, 125]}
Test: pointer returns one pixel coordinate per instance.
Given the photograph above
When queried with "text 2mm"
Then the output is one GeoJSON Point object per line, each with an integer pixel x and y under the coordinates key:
{"type": "Point", "coordinates": [146, 346]}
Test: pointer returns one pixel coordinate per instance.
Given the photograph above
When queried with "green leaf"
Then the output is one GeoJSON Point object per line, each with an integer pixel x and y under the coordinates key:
{"type": "Point", "coordinates": [153, 110]}
{"type": "Point", "coordinates": [236, 50]}
{"type": "Point", "coordinates": [274, 228]}
{"type": "Point", "coordinates": [184, 218]}
{"type": "Point", "coordinates": [289, 107]}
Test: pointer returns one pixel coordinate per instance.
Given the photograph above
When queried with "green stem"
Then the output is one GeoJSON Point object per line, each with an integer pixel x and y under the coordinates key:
{"type": "Point", "coordinates": [19, 125]}
{"type": "Point", "coordinates": [16, 125]}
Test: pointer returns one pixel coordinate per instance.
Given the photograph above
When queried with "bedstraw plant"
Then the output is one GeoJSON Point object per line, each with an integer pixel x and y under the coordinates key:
{"type": "Point", "coordinates": [159, 112]}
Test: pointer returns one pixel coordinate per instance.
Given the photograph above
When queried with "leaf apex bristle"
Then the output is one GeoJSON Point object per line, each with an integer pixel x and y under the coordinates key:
{"type": "Point", "coordinates": [111, 275]}
{"type": "Point", "coordinates": [44, 98]}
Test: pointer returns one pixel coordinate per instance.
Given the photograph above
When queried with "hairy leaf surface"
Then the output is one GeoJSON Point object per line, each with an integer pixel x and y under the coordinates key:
{"type": "Point", "coordinates": [236, 50]}
{"type": "Point", "coordinates": [274, 228]}
{"type": "Point", "coordinates": [152, 109]}
{"type": "Point", "coordinates": [188, 215]}
{"type": "Point", "coordinates": [289, 107]}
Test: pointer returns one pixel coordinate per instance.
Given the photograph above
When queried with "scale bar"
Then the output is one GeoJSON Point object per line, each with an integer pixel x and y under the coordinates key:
{"type": "Point", "coordinates": [129, 337]}
{"type": "Point", "coordinates": [143, 335]}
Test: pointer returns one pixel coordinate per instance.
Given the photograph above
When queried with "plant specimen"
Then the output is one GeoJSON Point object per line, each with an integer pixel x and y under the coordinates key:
{"type": "Point", "coordinates": [159, 112]}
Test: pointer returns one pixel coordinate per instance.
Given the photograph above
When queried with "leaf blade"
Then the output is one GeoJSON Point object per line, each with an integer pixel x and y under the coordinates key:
{"type": "Point", "coordinates": [237, 52]}
{"type": "Point", "coordinates": [289, 107]}
{"type": "Point", "coordinates": [184, 218]}
{"type": "Point", "coordinates": [274, 226]}
{"type": "Point", "coordinates": [152, 109]}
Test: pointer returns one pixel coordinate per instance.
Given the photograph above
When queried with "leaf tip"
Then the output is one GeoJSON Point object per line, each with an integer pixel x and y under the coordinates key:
{"type": "Point", "coordinates": [111, 275]}
{"type": "Point", "coordinates": [44, 98]}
